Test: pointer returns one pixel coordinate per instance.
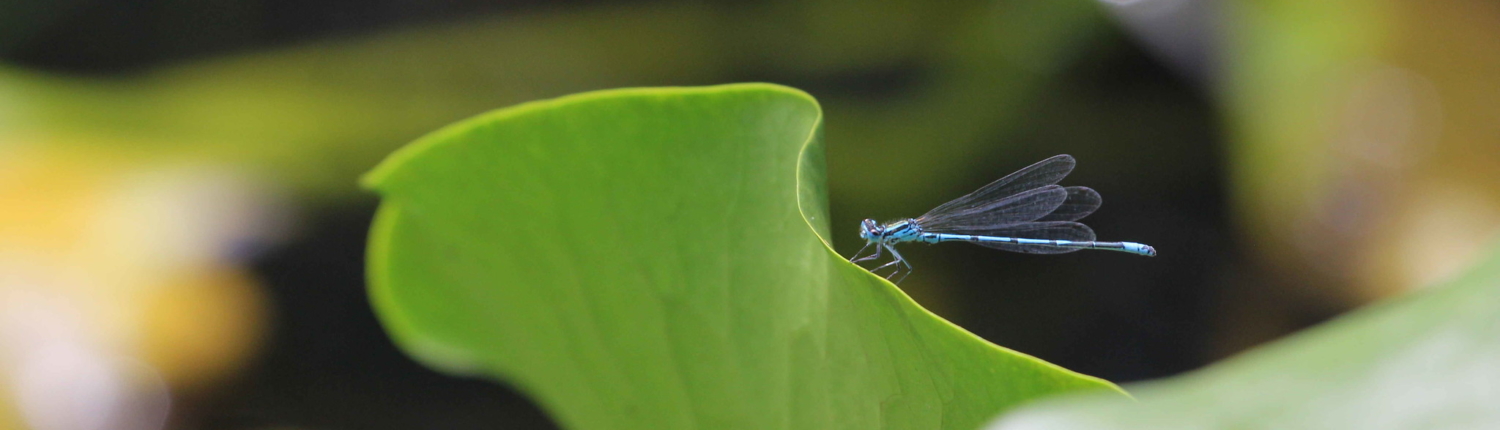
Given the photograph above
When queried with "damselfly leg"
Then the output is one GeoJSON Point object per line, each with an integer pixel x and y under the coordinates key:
{"type": "Point", "coordinates": [856, 258]}
{"type": "Point", "coordinates": [896, 260]}
{"type": "Point", "coordinates": [875, 256]}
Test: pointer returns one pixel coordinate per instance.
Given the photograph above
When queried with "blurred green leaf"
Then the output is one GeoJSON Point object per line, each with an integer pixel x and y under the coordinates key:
{"type": "Point", "coordinates": [1426, 361]}
{"type": "Point", "coordinates": [656, 259]}
{"type": "Point", "coordinates": [314, 115]}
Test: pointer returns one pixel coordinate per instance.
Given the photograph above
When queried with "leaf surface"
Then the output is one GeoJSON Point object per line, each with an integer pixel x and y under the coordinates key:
{"type": "Point", "coordinates": [1426, 361]}
{"type": "Point", "coordinates": [656, 259]}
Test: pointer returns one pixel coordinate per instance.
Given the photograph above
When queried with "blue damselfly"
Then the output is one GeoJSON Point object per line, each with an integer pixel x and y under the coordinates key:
{"type": "Point", "coordinates": [1025, 211]}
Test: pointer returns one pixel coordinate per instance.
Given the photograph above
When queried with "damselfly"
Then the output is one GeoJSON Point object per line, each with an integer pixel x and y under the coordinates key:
{"type": "Point", "coordinates": [1025, 211]}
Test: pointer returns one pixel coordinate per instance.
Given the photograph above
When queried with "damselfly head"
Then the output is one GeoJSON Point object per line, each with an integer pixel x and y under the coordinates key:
{"type": "Point", "coordinates": [869, 229]}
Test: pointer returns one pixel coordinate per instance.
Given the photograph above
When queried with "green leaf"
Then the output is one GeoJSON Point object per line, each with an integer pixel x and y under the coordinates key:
{"type": "Point", "coordinates": [656, 259]}
{"type": "Point", "coordinates": [1426, 361]}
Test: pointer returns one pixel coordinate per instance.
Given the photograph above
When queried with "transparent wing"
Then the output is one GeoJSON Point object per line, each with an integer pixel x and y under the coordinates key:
{"type": "Point", "coordinates": [1026, 206]}
{"type": "Point", "coordinates": [1032, 205]}
{"type": "Point", "coordinates": [1051, 230]}
{"type": "Point", "coordinates": [1043, 173]}
{"type": "Point", "coordinates": [1081, 202]}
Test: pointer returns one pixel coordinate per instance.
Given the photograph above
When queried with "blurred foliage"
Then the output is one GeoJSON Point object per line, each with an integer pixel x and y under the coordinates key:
{"type": "Point", "coordinates": [1353, 132]}
{"type": "Point", "coordinates": [314, 116]}
{"type": "Point", "coordinates": [72, 239]}
{"type": "Point", "coordinates": [1426, 361]}
{"type": "Point", "coordinates": [105, 266]}
{"type": "Point", "coordinates": [10, 417]}
{"type": "Point", "coordinates": [1364, 150]}
{"type": "Point", "coordinates": [658, 258]}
